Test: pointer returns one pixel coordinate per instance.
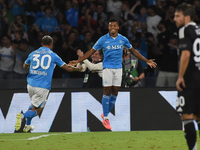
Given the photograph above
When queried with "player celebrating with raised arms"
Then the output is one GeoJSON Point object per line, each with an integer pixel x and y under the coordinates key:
{"type": "Point", "coordinates": [112, 45]}
{"type": "Point", "coordinates": [41, 64]}
{"type": "Point", "coordinates": [188, 83]}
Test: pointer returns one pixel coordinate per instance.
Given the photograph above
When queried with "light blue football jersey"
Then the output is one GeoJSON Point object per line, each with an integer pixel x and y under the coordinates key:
{"type": "Point", "coordinates": [42, 63]}
{"type": "Point", "coordinates": [112, 50]}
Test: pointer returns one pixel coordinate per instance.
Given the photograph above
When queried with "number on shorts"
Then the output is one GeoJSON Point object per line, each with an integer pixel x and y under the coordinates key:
{"type": "Point", "coordinates": [38, 63]}
{"type": "Point", "coordinates": [180, 101]}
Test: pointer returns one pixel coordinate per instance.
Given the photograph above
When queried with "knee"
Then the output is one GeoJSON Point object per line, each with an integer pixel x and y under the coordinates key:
{"type": "Point", "coordinates": [115, 93]}
{"type": "Point", "coordinates": [106, 92]}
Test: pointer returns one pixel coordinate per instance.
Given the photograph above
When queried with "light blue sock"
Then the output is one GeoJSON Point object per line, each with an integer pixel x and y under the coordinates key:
{"type": "Point", "coordinates": [28, 121]}
{"type": "Point", "coordinates": [112, 101]}
{"type": "Point", "coordinates": [29, 115]}
{"type": "Point", "coordinates": [105, 104]}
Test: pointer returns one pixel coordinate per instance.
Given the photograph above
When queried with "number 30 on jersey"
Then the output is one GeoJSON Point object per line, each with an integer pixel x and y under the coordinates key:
{"type": "Point", "coordinates": [40, 62]}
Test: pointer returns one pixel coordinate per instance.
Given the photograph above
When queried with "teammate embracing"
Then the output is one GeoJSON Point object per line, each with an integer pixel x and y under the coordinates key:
{"type": "Point", "coordinates": [112, 45]}
{"type": "Point", "coordinates": [41, 64]}
{"type": "Point", "coordinates": [188, 83]}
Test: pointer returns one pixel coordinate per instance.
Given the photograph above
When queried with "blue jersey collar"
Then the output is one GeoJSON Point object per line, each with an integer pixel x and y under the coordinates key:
{"type": "Point", "coordinates": [108, 35]}
{"type": "Point", "coordinates": [45, 48]}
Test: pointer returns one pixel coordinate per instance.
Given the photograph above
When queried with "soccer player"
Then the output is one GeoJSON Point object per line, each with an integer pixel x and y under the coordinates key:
{"type": "Point", "coordinates": [41, 64]}
{"type": "Point", "coordinates": [112, 45]}
{"type": "Point", "coordinates": [188, 83]}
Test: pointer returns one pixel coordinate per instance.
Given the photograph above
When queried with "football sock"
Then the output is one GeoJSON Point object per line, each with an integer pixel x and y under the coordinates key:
{"type": "Point", "coordinates": [190, 134]}
{"type": "Point", "coordinates": [29, 115]}
{"type": "Point", "coordinates": [28, 121]}
{"type": "Point", "coordinates": [112, 101]}
{"type": "Point", "coordinates": [105, 104]}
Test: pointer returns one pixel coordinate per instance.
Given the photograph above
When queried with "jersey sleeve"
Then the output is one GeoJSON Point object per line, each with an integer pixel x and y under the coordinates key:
{"type": "Point", "coordinates": [58, 61]}
{"type": "Point", "coordinates": [185, 38]}
{"type": "Point", "coordinates": [127, 43]}
{"type": "Point", "coordinates": [98, 45]}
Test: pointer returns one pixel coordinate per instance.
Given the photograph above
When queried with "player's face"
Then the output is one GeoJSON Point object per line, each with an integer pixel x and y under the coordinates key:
{"type": "Point", "coordinates": [179, 18]}
{"type": "Point", "coordinates": [113, 28]}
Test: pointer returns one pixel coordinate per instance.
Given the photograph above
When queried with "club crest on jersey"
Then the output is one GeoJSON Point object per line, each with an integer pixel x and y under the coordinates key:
{"type": "Point", "coordinates": [108, 47]}
{"type": "Point", "coordinates": [197, 31]}
{"type": "Point", "coordinates": [120, 41]}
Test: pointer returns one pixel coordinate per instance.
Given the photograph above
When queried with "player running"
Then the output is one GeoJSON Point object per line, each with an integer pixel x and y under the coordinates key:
{"type": "Point", "coordinates": [112, 45]}
{"type": "Point", "coordinates": [41, 64]}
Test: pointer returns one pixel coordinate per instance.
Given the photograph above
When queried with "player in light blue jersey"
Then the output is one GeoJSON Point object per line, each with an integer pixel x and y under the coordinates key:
{"type": "Point", "coordinates": [112, 46]}
{"type": "Point", "coordinates": [41, 64]}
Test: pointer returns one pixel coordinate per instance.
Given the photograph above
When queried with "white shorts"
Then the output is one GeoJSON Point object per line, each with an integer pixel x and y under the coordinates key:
{"type": "Point", "coordinates": [112, 77]}
{"type": "Point", "coordinates": [38, 96]}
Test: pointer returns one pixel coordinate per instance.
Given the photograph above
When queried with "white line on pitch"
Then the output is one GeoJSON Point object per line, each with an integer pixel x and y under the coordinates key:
{"type": "Point", "coordinates": [37, 137]}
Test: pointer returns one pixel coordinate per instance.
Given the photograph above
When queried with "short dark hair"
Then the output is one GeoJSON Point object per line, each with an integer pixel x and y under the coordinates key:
{"type": "Point", "coordinates": [8, 37]}
{"type": "Point", "coordinates": [187, 9]}
{"type": "Point", "coordinates": [113, 20]}
{"type": "Point", "coordinates": [21, 33]}
{"type": "Point", "coordinates": [47, 40]}
{"type": "Point", "coordinates": [152, 7]}
{"type": "Point", "coordinates": [48, 7]}
{"type": "Point", "coordinates": [24, 42]}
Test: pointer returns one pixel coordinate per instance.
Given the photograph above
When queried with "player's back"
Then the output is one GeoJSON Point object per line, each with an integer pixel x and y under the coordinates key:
{"type": "Point", "coordinates": [191, 42]}
{"type": "Point", "coordinates": [42, 64]}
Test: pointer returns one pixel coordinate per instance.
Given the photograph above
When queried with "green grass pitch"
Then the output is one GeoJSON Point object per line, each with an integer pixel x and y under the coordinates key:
{"type": "Point", "coordinates": [133, 140]}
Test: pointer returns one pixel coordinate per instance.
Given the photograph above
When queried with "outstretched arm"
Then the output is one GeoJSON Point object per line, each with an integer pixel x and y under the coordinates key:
{"type": "Point", "coordinates": [85, 56]}
{"type": "Point", "coordinates": [70, 68]}
{"type": "Point", "coordinates": [150, 62]}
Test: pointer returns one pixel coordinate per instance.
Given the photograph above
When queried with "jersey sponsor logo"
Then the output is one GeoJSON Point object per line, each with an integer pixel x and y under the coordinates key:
{"type": "Point", "coordinates": [115, 47]}
{"type": "Point", "coordinates": [181, 46]}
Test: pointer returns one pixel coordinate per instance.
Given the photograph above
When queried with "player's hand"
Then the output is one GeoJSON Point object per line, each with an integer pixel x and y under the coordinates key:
{"type": "Point", "coordinates": [180, 83]}
{"type": "Point", "coordinates": [73, 62]}
{"type": "Point", "coordinates": [151, 63]}
{"type": "Point", "coordinates": [80, 53]}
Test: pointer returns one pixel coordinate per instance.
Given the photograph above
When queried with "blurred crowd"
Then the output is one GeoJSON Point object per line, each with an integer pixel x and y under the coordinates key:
{"type": "Point", "coordinates": [77, 24]}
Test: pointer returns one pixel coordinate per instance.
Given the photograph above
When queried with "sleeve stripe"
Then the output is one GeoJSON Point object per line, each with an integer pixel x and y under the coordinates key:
{"type": "Point", "coordinates": [181, 33]}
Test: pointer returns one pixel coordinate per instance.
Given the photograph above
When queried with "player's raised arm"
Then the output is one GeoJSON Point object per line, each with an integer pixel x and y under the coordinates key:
{"type": "Point", "coordinates": [150, 62]}
{"type": "Point", "coordinates": [70, 68]}
{"type": "Point", "coordinates": [85, 56]}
